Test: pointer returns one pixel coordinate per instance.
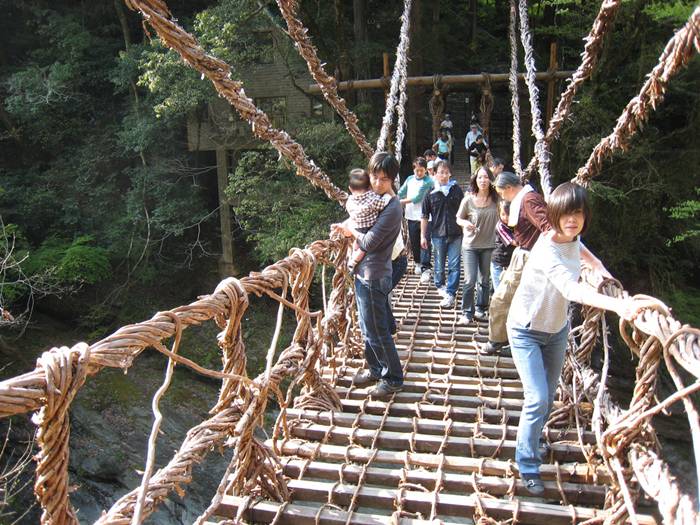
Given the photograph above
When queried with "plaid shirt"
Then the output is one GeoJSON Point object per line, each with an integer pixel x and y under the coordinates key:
{"type": "Point", "coordinates": [364, 209]}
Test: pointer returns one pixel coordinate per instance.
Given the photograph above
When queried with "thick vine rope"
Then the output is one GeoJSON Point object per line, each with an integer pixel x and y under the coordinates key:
{"type": "Point", "coordinates": [675, 56]}
{"type": "Point", "coordinates": [400, 67]}
{"type": "Point", "coordinates": [327, 83]}
{"type": "Point", "coordinates": [540, 148]}
{"type": "Point", "coordinates": [513, 84]}
{"type": "Point", "coordinates": [591, 53]}
{"type": "Point", "coordinates": [157, 14]}
{"type": "Point", "coordinates": [401, 115]}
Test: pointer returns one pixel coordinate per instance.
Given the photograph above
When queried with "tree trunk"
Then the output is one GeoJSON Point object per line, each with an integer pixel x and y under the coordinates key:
{"type": "Point", "coordinates": [359, 11]}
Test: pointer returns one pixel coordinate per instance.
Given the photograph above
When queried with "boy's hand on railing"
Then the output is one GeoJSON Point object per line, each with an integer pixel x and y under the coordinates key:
{"type": "Point", "coordinates": [631, 307]}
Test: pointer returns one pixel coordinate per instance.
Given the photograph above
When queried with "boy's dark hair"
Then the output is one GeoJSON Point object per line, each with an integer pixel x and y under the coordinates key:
{"type": "Point", "coordinates": [429, 153]}
{"type": "Point", "coordinates": [568, 198]}
{"type": "Point", "coordinates": [442, 163]}
{"type": "Point", "coordinates": [497, 161]}
{"type": "Point", "coordinates": [504, 206]}
{"type": "Point", "coordinates": [359, 180]}
{"type": "Point", "coordinates": [473, 187]}
{"type": "Point", "coordinates": [386, 162]}
{"type": "Point", "coordinates": [420, 161]}
{"type": "Point", "coordinates": [479, 137]}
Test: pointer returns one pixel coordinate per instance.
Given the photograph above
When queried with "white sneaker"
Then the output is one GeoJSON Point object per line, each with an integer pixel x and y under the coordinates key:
{"type": "Point", "coordinates": [442, 292]}
{"type": "Point", "coordinates": [417, 269]}
{"type": "Point", "coordinates": [425, 277]}
{"type": "Point", "coordinates": [448, 301]}
{"type": "Point", "coordinates": [463, 320]}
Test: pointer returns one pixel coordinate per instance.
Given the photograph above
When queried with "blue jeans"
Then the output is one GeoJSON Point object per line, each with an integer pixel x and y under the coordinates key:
{"type": "Point", "coordinates": [539, 358]}
{"type": "Point", "coordinates": [420, 256]}
{"type": "Point", "coordinates": [477, 263]}
{"type": "Point", "coordinates": [496, 272]}
{"type": "Point", "coordinates": [450, 249]}
{"type": "Point", "coordinates": [372, 297]}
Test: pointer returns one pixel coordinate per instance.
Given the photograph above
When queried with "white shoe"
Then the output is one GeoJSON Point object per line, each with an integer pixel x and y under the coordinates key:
{"type": "Point", "coordinates": [448, 301]}
{"type": "Point", "coordinates": [417, 269]}
{"type": "Point", "coordinates": [425, 277]}
{"type": "Point", "coordinates": [463, 320]}
{"type": "Point", "coordinates": [442, 292]}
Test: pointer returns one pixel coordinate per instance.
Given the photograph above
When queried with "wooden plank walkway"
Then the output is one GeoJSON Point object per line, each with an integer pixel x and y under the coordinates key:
{"type": "Point", "coordinates": [442, 449]}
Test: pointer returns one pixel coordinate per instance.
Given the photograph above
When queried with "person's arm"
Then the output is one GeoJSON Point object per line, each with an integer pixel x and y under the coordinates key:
{"type": "Point", "coordinates": [505, 234]}
{"type": "Point", "coordinates": [596, 264]}
{"type": "Point", "coordinates": [424, 233]}
{"type": "Point", "coordinates": [462, 216]}
{"type": "Point", "coordinates": [403, 190]}
{"type": "Point", "coordinates": [424, 189]}
{"type": "Point", "coordinates": [567, 284]}
{"type": "Point", "coordinates": [535, 210]}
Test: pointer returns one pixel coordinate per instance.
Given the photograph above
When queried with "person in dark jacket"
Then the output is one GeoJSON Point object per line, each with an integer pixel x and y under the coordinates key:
{"type": "Point", "coordinates": [442, 204]}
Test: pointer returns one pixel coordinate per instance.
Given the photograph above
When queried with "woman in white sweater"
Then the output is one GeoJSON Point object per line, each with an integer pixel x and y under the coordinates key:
{"type": "Point", "coordinates": [537, 320]}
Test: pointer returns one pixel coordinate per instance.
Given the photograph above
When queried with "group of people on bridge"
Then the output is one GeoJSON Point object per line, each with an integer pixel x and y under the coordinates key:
{"type": "Point", "coordinates": [505, 234]}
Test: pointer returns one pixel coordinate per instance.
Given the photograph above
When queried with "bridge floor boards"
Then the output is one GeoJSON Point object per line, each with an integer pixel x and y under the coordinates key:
{"type": "Point", "coordinates": [438, 451]}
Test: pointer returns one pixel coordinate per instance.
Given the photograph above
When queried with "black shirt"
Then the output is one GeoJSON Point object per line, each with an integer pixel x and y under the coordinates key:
{"type": "Point", "coordinates": [502, 253]}
{"type": "Point", "coordinates": [444, 211]}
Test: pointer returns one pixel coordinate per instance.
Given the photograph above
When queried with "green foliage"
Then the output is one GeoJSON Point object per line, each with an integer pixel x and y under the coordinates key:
{"type": "Point", "coordinates": [76, 262]}
{"type": "Point", "coordinates": [687, 211]}
{"type": "Point", "coordinates": [279, 210]}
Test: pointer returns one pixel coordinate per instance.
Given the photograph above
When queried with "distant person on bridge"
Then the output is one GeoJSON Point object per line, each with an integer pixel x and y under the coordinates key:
{"type": "Point", "coordinates": [538, 327]}
{"type": "Point", "coordinates": [442, 204]}
{"type": "Point", "coordinates": [443, 146]}
{"type": "Point", "coordinates": [412, 193]}
{"type": "Point", "coordinates": [373, 282]}
{"type": "Point", "coordinates": [528, 217]}
{"type": "Point", "coordinates": [474, 131]}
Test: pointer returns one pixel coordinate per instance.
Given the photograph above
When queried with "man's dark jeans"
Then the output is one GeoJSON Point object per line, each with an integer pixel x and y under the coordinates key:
{"type": "Point", "coordinates": [419, 254]}
{"type": "Point", "coordinates": [372, 298]}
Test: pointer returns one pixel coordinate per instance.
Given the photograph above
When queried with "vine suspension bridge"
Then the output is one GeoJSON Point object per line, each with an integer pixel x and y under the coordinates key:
{"type": "Point", "coordinates": [440, 451]}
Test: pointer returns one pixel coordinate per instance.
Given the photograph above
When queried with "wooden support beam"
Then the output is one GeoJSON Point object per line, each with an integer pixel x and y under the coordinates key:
{"type": "Point", "coordinates": [226, 266]}
{"type": "Point", "coordinates": [576, 493]}
{"type": "Point", "coordinates": [551, 82]}
{"type": "Point", "coordinates": [571, 472]}
{"type": "Point", "coordinates": [447, 80]}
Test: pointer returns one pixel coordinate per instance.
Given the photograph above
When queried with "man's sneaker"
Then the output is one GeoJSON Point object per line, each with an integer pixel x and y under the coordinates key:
{"type": "Point", "coordinates": [425, 276]}
{"type": "Point", "coordinates": [464, 319]}
{"type": "Point", "coordinates": [491, 348]}
{"type": "Point", "coordinates": [417, 269]}
{"type": "Point", "coordinates": [448, 301]}
{"type": "Point", "coordinates": [442, 292]}
{"type": "Point", "coordinates": [384, 389]}
{"type": "Point", "coordinates": [365, 377]}
{"type": "Point", "coordinates": [480, 315]}
{"type": "Point", "coordinates": [533, 484]}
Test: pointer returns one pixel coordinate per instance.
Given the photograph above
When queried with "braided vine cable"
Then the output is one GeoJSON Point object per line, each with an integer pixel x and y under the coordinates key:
{"type": "Point", "coordinates": [399, 70]}
{"type": "Point", "coordinates": [591, 53]}
{"type": "Point", "coordinates": [675, 56]}
{"type": "Point", "coordinates": [328, 84]}
{"type": "Point", "coordinates": [540, 148]}
{"type": "Point", "coordinates": [157, 14]}
{"type": "Point", "coordinates": [513, 83]}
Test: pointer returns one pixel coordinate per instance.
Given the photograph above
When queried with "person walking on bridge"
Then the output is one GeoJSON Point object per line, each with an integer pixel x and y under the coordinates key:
{"type": "Point", "coordinates": [528, 217]}
{"type": "Point", "coordinates": [373, 282]}
{"type": "Point", "coordinates": [442, 204]}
